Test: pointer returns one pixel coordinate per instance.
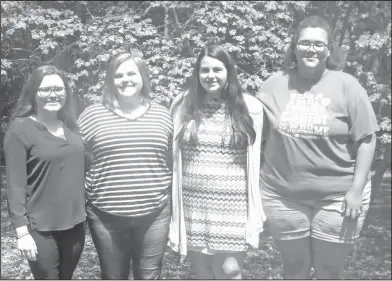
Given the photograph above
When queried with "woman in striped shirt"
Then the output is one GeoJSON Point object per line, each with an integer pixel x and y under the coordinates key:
{"type": "Point", "coordinates": [128, 184]}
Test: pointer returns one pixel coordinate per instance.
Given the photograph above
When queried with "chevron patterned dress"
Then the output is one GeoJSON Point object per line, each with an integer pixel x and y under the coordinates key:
{"type": "Point", "coordinates": [214, 185]}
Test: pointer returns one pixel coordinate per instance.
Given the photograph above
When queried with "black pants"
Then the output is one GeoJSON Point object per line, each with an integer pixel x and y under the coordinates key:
{"type": "Point", "coordinates": [58, 252]}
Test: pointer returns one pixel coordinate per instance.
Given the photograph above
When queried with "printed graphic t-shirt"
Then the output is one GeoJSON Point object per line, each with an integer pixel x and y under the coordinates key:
{"type": "Point", "coordinates": [312, 130]}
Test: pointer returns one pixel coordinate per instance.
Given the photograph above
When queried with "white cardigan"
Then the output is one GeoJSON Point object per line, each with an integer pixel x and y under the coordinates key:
{"type": "Point", "coordinates": [256, 215]}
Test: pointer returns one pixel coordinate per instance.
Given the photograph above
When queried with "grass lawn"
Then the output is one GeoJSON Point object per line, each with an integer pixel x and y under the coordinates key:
{"type": "Point", "coordinates": [370, 259]}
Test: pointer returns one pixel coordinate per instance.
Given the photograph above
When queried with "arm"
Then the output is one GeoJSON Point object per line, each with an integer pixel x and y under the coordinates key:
{"type": "Point", "coordinates": [16, 173]}
{"type": "Point", "coordinates": [169, 156]}
{"type": "Point", "coordinates": [352, 203]}
{"type": "Point", "coordinates": [363, 161]}
{"type": "Point", "coordinates": [88, 152]}
{"type": "Point", "coordinates": [362, 127]}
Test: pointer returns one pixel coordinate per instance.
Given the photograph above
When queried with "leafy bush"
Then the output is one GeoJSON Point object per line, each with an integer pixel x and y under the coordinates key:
{"type": "Point", "coordinates": [81, 36]}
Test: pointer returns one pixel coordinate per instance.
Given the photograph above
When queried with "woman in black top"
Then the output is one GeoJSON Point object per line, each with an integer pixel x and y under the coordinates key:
{"type": "Point", "coordinates": [45, 176]}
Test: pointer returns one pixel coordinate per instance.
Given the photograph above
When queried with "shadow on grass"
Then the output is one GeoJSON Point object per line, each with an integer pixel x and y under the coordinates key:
{"type": "Point", "coordinates": [370, 259]}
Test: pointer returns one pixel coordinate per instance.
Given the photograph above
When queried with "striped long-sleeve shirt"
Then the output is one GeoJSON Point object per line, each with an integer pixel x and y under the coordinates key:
{"type": "Point", "coordinates": [129, 175]}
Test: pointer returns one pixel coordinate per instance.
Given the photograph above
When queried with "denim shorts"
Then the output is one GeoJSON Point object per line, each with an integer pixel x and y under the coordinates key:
{"type": "Point", "coordinates": [289, 219]}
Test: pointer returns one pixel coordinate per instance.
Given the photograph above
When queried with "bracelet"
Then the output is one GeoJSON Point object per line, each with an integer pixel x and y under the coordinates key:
{"type": "Point", "coordinates": [24, 234]}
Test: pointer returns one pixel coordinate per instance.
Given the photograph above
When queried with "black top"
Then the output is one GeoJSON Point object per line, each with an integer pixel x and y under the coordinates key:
{"type": "Point", "coordinates": [45, 176]}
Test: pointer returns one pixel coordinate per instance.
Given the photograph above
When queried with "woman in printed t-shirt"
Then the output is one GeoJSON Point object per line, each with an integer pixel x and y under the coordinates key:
{"type": "Point", "coordinates": [319, 147]}
{"type": "Point", "coordinates": [128, 207]}
{"type": "Point", "coordinates": [45, 176]}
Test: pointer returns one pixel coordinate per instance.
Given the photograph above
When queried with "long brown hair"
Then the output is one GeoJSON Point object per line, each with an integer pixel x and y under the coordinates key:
{"type": "Point", "coordinates": [241, 121]}
{"type": "Point", "coordinates": [26, 104]}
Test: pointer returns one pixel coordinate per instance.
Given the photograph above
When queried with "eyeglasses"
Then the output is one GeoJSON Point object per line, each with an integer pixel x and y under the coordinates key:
{"type": "Point", "coordinates": [46, 92]}
{"type": "Point", "coordinates": [317, 46]}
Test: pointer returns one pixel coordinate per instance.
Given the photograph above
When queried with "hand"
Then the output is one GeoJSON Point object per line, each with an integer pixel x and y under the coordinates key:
{"type": "Point", "coordinates": [352, 204]}
{"type": "Point", "coordinates": [27, 247]}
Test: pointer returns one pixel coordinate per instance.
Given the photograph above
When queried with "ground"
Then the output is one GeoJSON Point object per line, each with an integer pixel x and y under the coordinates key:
{"type": "Point", "coordinates": [370, 258]}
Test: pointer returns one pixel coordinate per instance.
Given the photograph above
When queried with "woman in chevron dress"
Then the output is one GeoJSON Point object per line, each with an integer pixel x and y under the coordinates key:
{"type": "Point", "coordinates": [215, 127]}
{"type": "Point", "coordinates": [214, 184]}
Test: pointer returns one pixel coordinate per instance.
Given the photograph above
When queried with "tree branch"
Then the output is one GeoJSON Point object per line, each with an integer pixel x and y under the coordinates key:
{"type": "Point", "coordinates": [20, 49]}
{"type": "Point", "coordinates": [175, 16]}
{"type": "Point", "coordinates": [332, 17]}
{"type": "Point", "coordinates": [23, 60]}
{"type": "Point", "coordinates": [148, 10]}
{"type": "Point", "coordinates": [166, 32]}
{"type": "Point", "coordinates": [345, 24]}
{"type": "Point", "coordinates": [191, 17]}
{"type": "Point", "coordinates": [66, 48]}
{"type": "Point", "coordinates": [246, 73]}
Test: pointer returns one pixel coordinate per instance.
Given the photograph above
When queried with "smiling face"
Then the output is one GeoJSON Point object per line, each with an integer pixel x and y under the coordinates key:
{"type": "Point", "coordinates": [51, 93]}
{"type": "Point", "coordinates": [127, 79]}
{"type": "Point", "coordinates": [312, 48]}
{"type": "Point", "coordinates": [212, 75]}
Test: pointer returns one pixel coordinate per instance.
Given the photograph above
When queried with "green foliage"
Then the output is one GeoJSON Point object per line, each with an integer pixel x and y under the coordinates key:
{"type": "Point", "coordinates": [369, 44]}
{"type": "Point", "coordinates": [81, 36]}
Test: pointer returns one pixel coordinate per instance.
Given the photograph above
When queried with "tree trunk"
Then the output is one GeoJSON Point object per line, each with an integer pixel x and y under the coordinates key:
{"type": "Point", "coordinates": [345, 24]}
{"type": "Point", "coordinates": [332, 17]}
